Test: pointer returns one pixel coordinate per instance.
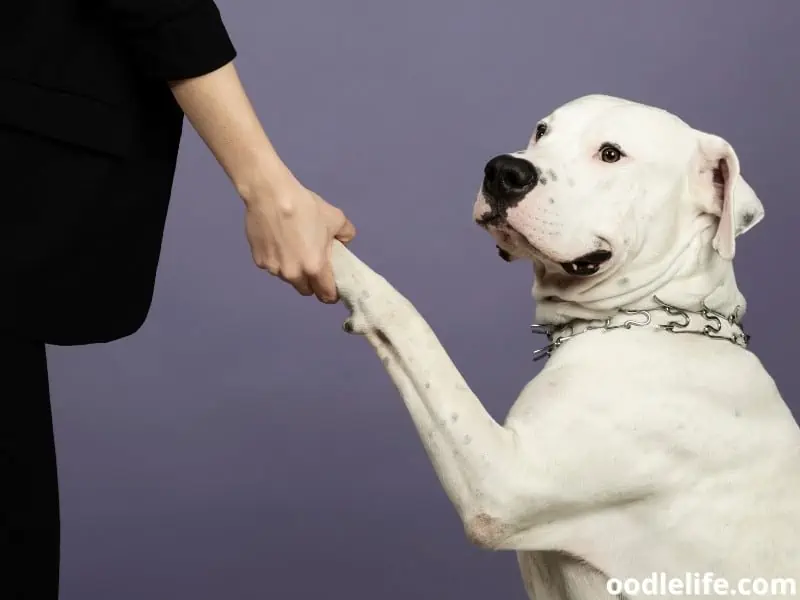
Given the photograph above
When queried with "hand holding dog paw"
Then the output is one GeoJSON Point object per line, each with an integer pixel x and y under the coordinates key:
{"type": "Point", "coordinates": [290, 230]}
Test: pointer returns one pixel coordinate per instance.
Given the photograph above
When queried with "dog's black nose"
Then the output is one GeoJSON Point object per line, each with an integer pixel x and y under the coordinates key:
{"type": "Point", "coordinates": [507, 178]}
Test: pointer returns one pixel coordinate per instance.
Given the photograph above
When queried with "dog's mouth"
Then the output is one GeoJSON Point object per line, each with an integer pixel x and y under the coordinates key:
{"type": "Point", "coordinates": [588, 264]}
{"type": "Point", "coordinates": [583, 266]}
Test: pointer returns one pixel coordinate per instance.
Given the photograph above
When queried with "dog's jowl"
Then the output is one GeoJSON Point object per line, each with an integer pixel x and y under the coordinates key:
{"type": "Point", "coordinates": [653, 440]}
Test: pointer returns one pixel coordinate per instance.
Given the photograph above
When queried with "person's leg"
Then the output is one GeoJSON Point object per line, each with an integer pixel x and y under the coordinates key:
{"type": "Point", "coordinates": [29, 510]}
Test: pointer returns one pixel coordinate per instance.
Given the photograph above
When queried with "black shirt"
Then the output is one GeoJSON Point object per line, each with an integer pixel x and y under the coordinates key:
{"type": "Point", "coordinates": [89, 135]}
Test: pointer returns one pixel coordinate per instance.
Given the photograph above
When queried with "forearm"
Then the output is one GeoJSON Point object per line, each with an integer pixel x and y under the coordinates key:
{"type": "Point", "coordinates": [218, 108]}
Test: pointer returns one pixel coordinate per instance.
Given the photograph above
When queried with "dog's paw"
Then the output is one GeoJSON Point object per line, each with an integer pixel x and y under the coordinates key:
{"type": "Point", "coordinates": [348, 326]}
{"type": "Point", "coordinates": [356, 324]}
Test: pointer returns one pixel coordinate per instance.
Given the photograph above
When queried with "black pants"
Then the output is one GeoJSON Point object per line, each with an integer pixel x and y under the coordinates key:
{"type": "Point", "coordinates": [29, 512]}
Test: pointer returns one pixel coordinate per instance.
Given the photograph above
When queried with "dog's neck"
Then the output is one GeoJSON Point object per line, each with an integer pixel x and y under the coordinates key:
{"type": "Point", "coordinates": [693, 278]}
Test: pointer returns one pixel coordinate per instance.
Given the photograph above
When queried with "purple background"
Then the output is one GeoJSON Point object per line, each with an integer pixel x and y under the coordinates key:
{"type": "Point", "coordinates": [240, 445]}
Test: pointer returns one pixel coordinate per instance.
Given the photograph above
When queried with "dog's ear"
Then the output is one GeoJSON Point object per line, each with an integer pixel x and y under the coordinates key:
{"type": "Point", "coordinates": [732, 199]}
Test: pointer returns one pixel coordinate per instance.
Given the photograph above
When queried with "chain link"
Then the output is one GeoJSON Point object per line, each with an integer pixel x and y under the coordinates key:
{"type": "Point", "coordinates": [558, 334]}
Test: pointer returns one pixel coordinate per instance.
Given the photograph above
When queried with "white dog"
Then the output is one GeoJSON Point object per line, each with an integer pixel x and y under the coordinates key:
{"type": "Point", "coordinates": [652, 441]}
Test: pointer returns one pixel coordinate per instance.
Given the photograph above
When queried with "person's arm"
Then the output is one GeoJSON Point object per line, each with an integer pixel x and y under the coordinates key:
{"type": "Point", "coordinates": [220, 111]}
{"type": "Point", "coordinates": [290, 229]}
{"type": "Point", "coordinates": [185, 43]}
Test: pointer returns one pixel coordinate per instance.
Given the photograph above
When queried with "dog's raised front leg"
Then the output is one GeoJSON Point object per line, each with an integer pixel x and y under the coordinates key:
{"type": "Point", "coordinates": [469, 450]}
{"type": "Point", "coordinates": [507, 488]}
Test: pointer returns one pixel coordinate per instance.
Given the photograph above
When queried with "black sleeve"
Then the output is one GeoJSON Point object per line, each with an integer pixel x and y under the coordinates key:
{"type": "Point", "coordinates": [173, 39]}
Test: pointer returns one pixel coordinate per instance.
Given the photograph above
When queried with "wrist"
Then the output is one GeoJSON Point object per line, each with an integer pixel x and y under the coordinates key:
{"type": "Point", "coordinates": [266, 181]}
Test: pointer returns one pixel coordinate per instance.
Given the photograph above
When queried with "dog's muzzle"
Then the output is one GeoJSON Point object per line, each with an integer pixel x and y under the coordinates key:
{"type": "Point", "coordinates": [507, 180]}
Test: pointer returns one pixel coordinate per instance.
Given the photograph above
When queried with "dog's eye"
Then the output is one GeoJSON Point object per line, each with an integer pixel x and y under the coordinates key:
{"type": "Point", "coordinates": [541, 129]}
{"type": "Point", "coordinates": [609, 153]}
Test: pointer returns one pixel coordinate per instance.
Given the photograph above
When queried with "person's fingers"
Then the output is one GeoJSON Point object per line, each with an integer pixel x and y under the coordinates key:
{"type": "Point", "coordinates": [324, 284]}
{"type": "Point", "coordinates": [338, 224]}
{"type": "Point", "coordinates": [299, 280]}
{"type": "Point", "coordinates": [303, 288]}
{"type": "Point", "coordinates": [346, 232]}
{"type": "Point", "coordinates": [271, 267]}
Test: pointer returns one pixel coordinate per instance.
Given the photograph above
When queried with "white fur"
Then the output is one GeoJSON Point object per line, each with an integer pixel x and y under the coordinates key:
{"type": "Point", "coordinates": [633, 451]}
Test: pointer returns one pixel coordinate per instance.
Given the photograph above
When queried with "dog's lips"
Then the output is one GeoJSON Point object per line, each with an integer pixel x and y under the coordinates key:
{"type": "Point", "coordinates": [511, 242]}
{"type": "Point", "coordinates": [588, 264]}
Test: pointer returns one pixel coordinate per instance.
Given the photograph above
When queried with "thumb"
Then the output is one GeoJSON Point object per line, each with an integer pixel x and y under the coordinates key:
{"type": "Point", "coordinates": [346, 231]}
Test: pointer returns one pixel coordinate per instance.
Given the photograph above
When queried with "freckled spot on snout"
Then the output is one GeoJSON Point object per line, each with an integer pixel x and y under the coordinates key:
{"type": "Point", "coordinates": [624, 282]}
{"type": "Point", "coordinates": [542, 180]}
{"type": "Point", "coordinates": [427, 385]}
{"type": "Point", "coordinates": [467, 440]}
{"type": "Point", "coordinates": [552, 174]}
{"type": "Point", "coordinates": [551, 200]}
{"type": "Point", "coordinates": [485, 531]}
{"type": "Point", "coordinates": [454, 418]}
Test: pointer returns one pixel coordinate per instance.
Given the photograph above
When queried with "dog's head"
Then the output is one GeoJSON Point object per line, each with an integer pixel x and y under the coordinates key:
{"type": "Point", "coordinates": [608, 189]}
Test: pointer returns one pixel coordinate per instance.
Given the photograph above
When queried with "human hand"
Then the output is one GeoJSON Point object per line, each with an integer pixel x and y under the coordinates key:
{"type": "Point", "coordinates": [290, 230]}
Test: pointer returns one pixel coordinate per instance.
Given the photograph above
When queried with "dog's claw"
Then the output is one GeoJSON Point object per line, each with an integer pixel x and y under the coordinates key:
{"type": "Point", "coordinates": [355, 324]}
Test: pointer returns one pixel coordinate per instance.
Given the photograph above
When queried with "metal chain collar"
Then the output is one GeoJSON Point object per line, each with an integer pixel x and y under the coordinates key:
{"type": "Point", "coordinates": [713, 324]}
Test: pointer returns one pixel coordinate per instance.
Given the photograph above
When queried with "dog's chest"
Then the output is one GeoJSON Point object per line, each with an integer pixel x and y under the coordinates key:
{"type": "Point", "coordinates": [559, 576]}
